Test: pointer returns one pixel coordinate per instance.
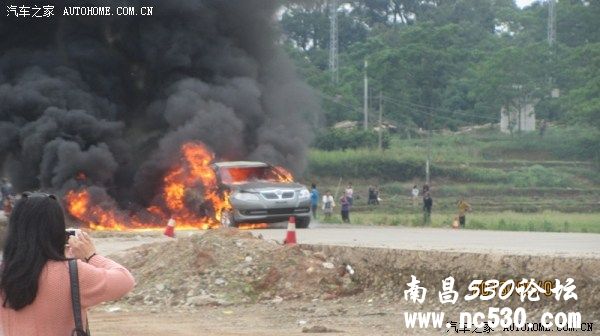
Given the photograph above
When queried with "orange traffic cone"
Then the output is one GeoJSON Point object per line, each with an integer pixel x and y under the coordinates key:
{"type": "Point", "coordinates": [290, 238]}
{"type": "Point", "coordinates": [170, 229]}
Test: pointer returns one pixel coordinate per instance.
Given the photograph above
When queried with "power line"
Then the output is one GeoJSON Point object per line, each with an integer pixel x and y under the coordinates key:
{"type": "Point", "coordinates": [418, 112]}
{"type": "Point", "coordinates": [423, 107]}
{"type": "Point", "coordinates": [441, 110]}
{"type": "Point", "coordinates": [413, 111]}
{"type": "Point", "coordinates": [355, 109]}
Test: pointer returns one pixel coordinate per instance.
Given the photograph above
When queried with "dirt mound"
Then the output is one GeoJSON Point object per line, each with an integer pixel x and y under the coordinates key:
{"type": "Point", "coordinates": [223, 267]}
{"type": "Point", "coordinates": [387, 272]}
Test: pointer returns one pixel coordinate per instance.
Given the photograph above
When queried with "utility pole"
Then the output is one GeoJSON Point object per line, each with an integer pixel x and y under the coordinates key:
{"type": "Point", "coordinates": [551, 22]}
{"type": "Point", "coordinates": [428, 162]}
{"type": "Point", "coordinates": [366, 99]}
{"type": "Point", "coordinates": [380, 116]}
{"type": "Point", "coordinates": [333, 41]}
{"type": "Point", "coordinates": [554, 92]}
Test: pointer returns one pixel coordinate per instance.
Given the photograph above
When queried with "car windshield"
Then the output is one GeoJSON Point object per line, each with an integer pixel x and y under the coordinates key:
{"type": "Point", "coordinates": [234, 175]}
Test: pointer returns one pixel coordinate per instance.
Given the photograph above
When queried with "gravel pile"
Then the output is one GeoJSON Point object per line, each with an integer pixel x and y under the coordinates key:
{"type": "Point", "coordinates": [228, 266]}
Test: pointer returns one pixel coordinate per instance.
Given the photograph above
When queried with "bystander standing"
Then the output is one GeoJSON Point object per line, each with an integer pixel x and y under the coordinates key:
{"type": "Point", "coordinates": [427, 205]}
{"type": "Point", "coordinates": [314, 200]}
{"type": "Point", "coordinates": [6, 189]}
{"type": "Point", "coordinates": [345, 204]}
{"type": "Point", "coordinates": [349, 193]}
{"type": "Point", "coordinates": [328, 204]}
{"type": "Point", "coordinates": [415, 196]}
{"type": "Point", "coordinates": [463, 208]}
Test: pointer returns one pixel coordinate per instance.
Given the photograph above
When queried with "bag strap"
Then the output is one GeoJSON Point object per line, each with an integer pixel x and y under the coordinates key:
{"type": "Point", "coordinates": [75, 299]}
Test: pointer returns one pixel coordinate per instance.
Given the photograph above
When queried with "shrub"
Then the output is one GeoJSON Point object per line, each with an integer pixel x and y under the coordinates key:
{"type": "Point", "coordinates": [362, 164]}
{"type": "Point", "coordinates": [538, 176]}
{"type": "Point", "coordinates": [581, 143]}
{"type": "Point", "coordinates": [477, 225]}
{"type": "Point", "coordinates": [548, 227]}
{"type": "Point", "coordinates": [470, 174]}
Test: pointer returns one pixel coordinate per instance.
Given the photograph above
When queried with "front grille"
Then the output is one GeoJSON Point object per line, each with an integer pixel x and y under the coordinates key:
{"type": "Point", "coordinates": [269, 212]}
{"type": "Point", "coordinates": [302, 210]}
{"type": "Point", "coordinates": [287, 194]}
{"type": "Point", "coordinates": [277, 211]}
{"type": "Point", "coordinates": [278, 194]}
{"type": "Point", "coordinates": [281, 211]}
{"type": "Point", "coordinates": [284, 211]}
{"type": "Point", "coordinates": [270, 195]}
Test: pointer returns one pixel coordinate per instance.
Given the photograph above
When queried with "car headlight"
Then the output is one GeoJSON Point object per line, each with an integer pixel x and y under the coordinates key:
{"type": "Point", "coordinates": [244, 196]}
{"type": "Point", "coordinates": [304, 193]}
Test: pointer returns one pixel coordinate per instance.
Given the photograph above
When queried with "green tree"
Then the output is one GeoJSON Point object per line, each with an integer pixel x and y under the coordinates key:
{"type": "Point", "coordinates": [510, 78]}
{"type": "Point", "coordinates": [581, 96]}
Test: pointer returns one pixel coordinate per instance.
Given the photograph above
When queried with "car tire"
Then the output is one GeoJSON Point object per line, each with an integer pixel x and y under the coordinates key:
{"type": "Point", "coordinates": [302, 222]}
{"type": "Point", "coordinates": [227, 220]}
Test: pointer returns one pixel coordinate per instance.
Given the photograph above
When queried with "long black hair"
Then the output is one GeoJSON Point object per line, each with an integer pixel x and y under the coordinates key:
{"type": "Point", "coordinates": [36, 234]}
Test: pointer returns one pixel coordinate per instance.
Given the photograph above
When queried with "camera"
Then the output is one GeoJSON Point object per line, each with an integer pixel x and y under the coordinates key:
{"type": "Point", "coordinates": [72, 232]}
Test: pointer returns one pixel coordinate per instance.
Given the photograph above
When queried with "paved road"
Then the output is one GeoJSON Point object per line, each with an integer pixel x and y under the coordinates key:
{"type": "Point", "coordinates": [504, 242]}
{"type": "Point", "coordinates": [426, 239]}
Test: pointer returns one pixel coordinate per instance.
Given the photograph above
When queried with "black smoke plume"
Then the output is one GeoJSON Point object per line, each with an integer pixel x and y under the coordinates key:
{"type": "Point", "coordinates": [115, 97]}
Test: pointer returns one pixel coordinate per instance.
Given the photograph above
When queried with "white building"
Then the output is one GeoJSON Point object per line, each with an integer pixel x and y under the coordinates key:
{"type": "Point", "coordinates": [518, 119]}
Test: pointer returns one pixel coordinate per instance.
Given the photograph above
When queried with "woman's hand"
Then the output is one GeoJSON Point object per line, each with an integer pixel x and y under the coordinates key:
{"type": "Point", "coordinates": [82, 246]}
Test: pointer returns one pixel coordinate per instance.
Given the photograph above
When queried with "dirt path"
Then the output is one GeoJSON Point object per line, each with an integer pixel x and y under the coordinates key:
{"type": "Point", "coordinates": [345, 317]}
{"type": "Point", "coordinates": [259, 319]}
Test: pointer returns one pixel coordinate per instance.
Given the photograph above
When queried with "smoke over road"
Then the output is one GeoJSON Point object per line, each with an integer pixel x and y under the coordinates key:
{"type": "Point", "coordinates": [114, 98]}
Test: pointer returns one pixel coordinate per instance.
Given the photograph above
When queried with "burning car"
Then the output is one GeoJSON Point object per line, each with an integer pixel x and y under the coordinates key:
{"type": "Point", "coordinates": [198, 193]}
{"type": "Point", "coordinates": [261, 193]}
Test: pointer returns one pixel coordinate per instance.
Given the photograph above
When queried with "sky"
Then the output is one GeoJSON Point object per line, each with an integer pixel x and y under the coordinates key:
{"type": "Point", "coordinates": [523, 3]}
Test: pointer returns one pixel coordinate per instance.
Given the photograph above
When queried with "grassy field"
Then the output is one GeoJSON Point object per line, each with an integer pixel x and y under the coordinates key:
{"type": "Point", "coordinates": [548, 221]}
{"type": "Point", "coordinates": [513, 183]}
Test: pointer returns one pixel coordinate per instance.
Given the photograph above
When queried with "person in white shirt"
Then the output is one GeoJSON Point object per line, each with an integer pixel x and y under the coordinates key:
{"type": "Point", "coordinates": [415, 196]}
{"type": "Point", "coordinates": [349, 193]}
{"type": "Point", "coordinates": [328, 204]}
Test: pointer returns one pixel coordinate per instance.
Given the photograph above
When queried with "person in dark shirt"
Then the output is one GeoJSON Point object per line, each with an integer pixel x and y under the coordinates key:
{"type": "Point", "coordinates": [427, 205]}
{"type": "Point", "coordinates": [6, 189]}
{"type": "Point", "coordinates": [372, 196]}
{"type": "Point", "coordinates": [314, 200]}
{"type": "Point", "coordinates": [345, 211]}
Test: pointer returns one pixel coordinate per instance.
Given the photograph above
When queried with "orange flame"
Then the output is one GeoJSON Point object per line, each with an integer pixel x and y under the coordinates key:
{"type": "Point", "coordinates": [190, 195]}
{"type": "Point", "coordinates": [184, 182]}
{"type": "Point", "coordinates": [80, 206]}
{"type": "Point", "coordinates": [77, 203]}
{"type": "Point", "coordinates": [284, 174]}
{"type": "Point", "coordinates": [252, 226]}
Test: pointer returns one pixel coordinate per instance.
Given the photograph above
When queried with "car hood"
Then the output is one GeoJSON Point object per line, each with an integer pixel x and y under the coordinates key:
{"type": "Point", "coordinates": [261, 185]}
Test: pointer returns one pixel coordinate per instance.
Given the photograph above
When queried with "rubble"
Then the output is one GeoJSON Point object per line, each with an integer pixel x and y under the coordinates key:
{"type": "Point", "coordinates": [229, 266]}
{"type": "Point", "coordinates": [319, 329]}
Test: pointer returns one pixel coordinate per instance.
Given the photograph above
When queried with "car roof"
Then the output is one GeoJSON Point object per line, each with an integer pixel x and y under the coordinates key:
{"type": "Point", "coordinates": [240, 164]}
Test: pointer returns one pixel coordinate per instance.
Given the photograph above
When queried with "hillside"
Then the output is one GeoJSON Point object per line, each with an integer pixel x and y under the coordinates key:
{"type": "Point", "coordinates": [521, 182]}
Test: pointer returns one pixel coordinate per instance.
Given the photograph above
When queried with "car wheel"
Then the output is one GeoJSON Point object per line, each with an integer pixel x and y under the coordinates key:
{"type": "Point", "coordinates": [303, 222]}
{"type": "Point", "coordinates": [227, 220]}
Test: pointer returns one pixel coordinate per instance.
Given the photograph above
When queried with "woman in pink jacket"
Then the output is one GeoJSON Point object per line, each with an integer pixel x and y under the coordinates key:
{"type": "Point", "coordinates": [35, 290]}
